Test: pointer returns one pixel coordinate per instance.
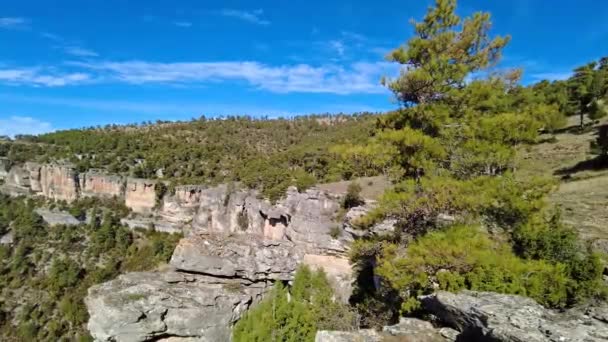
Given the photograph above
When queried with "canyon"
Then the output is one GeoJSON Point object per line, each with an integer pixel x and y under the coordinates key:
{"type": "Point", "coordinates": [236, 245]}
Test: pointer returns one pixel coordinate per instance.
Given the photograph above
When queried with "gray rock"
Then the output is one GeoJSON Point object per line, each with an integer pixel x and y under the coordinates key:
{"type": "Point", "coordinates": [7, 239]}
{"type": "Point", "coordinates": [242, 256]}
{"type": "Point", "coordinates": [384, 228]}
{"type": "Point", "coordinates": [150, 306]}
{"type": "Point", "coordinates": [348, 336]}
{"type": "Point", "coordinates": [414, 330]}
{"type": "Point", "coordinates": [54, 218]}
{"type": "Point", "coordinates": [152, 223]}
{"type": "Point", "coordinates": [499, 317]}
{"type": "Point", "coordinates": [305, 218]}
{"type": "Point", "coordinates": [17, 182]}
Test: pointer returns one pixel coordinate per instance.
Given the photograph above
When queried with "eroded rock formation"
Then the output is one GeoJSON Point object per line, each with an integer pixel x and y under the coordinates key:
{"type": "Point", "coordinates": [140, 195]}
{"type": "Point", "coordinates": [234, 240]}
{"type": "Point", "coordinates": [487, 316]}
{"type": "Point", "coordinates": [145, 306]}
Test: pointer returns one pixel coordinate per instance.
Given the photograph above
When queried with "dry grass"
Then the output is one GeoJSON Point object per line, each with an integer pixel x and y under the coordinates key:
{"type": "Point", "coordinates": [582, 193]}
{"type": "Point", "coordinates": [371, 187]}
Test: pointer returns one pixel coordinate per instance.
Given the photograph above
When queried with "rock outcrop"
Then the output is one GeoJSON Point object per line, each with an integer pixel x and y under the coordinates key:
{"type": "Point", "coordinates": [54, 181]}
{"type": "Point", "coordinates": [306, 218]}
{"type": "Point", "coordinates": [239, 243]}
{"type": "Point", "coordinates": [98, 184]}
{"type": "Point", "coordinates": [154, 306]}
{"type": "Point", "coordinates": [140, 195]}
{"type": "Point", "coordinates": [408, 329]}
{"type": "Point", "coordinates": [487, 316]}
{"type": "Point", "coordinates": [17, 182]}
{"type": "Point", "coordinates": [244, 257]}
{"type": "Point", "coordinates": [181, 206]}
{"type": "Point", "coordinates": [57, 182]}
{"type": "Point", "coordinates": [54, 218]}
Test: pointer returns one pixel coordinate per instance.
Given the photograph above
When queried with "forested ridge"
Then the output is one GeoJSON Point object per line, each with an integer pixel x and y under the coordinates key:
{"type": "Point", "coordinates": [466, 218]}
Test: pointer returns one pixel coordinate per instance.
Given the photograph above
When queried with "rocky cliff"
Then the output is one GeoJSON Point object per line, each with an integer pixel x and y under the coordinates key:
{"type": "Point", "coordinates": [236, 246]}
{"type": "Point", "coordinates": [99, 184]}
{"type": "Point", "coordinates": [140, 195]}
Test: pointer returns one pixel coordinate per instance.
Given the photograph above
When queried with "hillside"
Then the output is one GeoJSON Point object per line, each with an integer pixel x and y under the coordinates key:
{"type": "Point", "coordinates": [268, 154]}
{"type": "Point", "coordinates": [581, 174]}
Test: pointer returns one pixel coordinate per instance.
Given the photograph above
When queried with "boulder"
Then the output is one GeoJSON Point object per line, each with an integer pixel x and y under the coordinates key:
{"type": "Point", "coordinates": [383, 228]}
{"type": "Point", "coordinates": [54, 218]}
{"type": "Point", "coordinates": [144, 306]}
{"type": "Point", "coordinates": [499, 317]}
{"type": "Point", "coordinates": [415, 330]}
{"type": "Point", "coordinates": [7, 239]}
{"type": "Point", "coordinates": [242, 256]}
{"type": "Point", "coordinates": [140, 195]}
{"type": "Point", "coordinates": [366, 335]}
{"type": "Point", "coordinates": [151, 223]}
{"type": "Point", "coordinates": [98, 184]}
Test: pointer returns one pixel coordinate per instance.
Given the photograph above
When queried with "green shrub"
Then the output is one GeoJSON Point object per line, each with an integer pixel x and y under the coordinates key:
{"type": "Point", "coordinates": [463, 257]}
{"type": "Point", "coordinates": [311, 308]}
{"type": "Point", "coordinates": [353, 196]}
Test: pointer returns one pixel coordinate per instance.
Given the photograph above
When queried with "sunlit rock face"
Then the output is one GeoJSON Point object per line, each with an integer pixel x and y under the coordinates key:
{"type": "Point", "coordinates": [140, 195]}
{"type": "Point", "coordinates": [150, 306]}
{"type": "Point", "coordinates": [58, 182]}
{"type": "Point", "coordinates": [98, 184]}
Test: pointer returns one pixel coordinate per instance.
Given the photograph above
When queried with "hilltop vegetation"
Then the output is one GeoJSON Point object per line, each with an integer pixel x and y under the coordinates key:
{"type": "Point", "coordinates": [266, 154]}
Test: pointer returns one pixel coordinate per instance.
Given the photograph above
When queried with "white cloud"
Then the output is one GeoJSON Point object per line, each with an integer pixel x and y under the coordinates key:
{"type": "Point", "coordinates": [356, 78]}
{"type": "Point", "coordinates": [38, 77]}
{"type": "Point", "coordinates": [254, 17]}
{"type": "Point", "coordinates": [182, 24]}
{"type": "Point", "coordinates": [80, 52]}
{"type": "Point", "coordinates": [13, 23]}
{"type": "Point", "coordinates": [14, 125]}
{"type": "Point", "coordinates": [338, 46]}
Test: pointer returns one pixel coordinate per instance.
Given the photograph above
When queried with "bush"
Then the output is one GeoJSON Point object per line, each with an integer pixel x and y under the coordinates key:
{"type": "Point", "coordinates": [463, 257]}
{"type": "Point", "coordinates": [353, 196]}
{"type": "Point", "coordinates": [311, 308]}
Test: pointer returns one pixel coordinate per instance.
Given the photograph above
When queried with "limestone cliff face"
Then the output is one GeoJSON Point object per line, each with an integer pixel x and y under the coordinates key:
{"type": "Point", "coordinates": [17, 182]}
{"type": "Point", "coordinates": [54, 181]}
{"type": "Point", "coordinates": [59, 182]}
{"type": "Point", "coordinates": [33, 170]}
{"type": "Point", "coordinates": [96, 184]}
{"type": "Point", "coordinates": [304, 218]}
{"type": "Point", "coordinates": [140, 195]}
{"type": "Point", "coordinates": [181, 206]}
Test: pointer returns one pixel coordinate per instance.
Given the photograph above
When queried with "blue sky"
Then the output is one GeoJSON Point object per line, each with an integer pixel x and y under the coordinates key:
{"type": "Point", "coordinates": [74, 63]}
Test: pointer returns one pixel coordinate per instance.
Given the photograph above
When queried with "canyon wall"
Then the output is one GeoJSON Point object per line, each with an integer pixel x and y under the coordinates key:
{"type": "Point", "coordinates": [98, 184]}
{"type": "Point", "coordinates": [236, 245]}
